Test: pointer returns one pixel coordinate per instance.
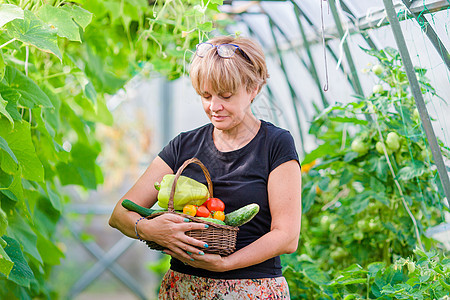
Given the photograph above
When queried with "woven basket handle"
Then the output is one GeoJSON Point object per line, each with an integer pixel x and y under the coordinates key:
{"type": "Point", "coordinates": [178, 174]}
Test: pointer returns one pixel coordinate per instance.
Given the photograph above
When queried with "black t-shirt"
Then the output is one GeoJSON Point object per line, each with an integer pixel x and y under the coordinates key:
{"type": "Point", "coordinates": [239, 178]}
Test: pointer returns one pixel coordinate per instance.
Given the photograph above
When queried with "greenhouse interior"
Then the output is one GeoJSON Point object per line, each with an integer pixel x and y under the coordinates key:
{"type": "Point", "coordinates": [92, 90]}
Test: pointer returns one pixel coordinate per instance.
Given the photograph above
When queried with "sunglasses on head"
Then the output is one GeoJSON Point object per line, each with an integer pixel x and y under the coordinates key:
{"type": "Point", "coordinates": [223, 50]}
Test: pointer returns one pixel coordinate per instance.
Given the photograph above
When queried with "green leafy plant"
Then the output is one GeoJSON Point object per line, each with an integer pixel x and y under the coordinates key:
{"type": "Point", "coordinates": [370, 189]}
{"type": "Point", "coordinates": [59, 61]}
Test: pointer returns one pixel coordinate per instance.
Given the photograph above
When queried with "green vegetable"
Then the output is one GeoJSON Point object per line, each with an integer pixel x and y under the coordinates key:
{"type": "Point", "coordinates": [393, 141]}
{"type": "Point", "coordinates": [143, 211]}
{"type": "Point", "coordinates": [359, 146]}
{"type": "Point", "coordinates": [188, 191]}
{"type": "Point", "coordinates": [212, 220]}
{"type": "Point", "coordinates": [377, 89]}
{"type": "Point", "coordinates": [242, 215]}
{"type": "Point", "coordinates": [377, 69]}
{"type": "Point", "coordinates": [411, 267]}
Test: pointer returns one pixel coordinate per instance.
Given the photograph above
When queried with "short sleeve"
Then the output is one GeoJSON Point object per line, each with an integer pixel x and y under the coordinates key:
{"type": "Point", "coordinates": [282, 150]}
{"type": "Point", "coordinates": [171, 152]}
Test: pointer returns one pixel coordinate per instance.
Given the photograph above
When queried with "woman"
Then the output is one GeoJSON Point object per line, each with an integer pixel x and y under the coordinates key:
{"type": "Point", "coordinates": [249, 160]}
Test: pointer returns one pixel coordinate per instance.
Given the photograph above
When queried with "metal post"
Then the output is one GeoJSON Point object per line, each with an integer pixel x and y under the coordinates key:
{"type": "Point", "coordinates": [417, 93]}
{"type": "Point", "coordinates": [348, 55]}
{"type": "Point", "coordinates": [312, 69]}
{"type": "Point", "coordinates": [167, 113]}
{"type": "Point", "coordinates": [294, 96]}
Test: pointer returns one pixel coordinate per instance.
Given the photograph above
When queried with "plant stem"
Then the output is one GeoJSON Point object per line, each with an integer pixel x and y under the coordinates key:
{"type": "Point", "coordinates": [54, 75]}
{"type": "Point", "coordinates": [27, 54]}
{"type": "Point", "coordinates": [416, 229]}
{"type": "Point", "coordinates": [8, 42]}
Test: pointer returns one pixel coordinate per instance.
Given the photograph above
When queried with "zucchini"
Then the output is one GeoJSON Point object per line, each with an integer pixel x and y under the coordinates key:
{"type": "Point", "coordinates": [242, 215]}
{"type": "Point", "coordinates": [143, 211]}
{"type": "Point", "coordinates": [212, 220]}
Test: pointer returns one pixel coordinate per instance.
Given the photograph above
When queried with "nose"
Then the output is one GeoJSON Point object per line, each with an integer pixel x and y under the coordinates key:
{"type": "Point", "coordinates": [215, 104]}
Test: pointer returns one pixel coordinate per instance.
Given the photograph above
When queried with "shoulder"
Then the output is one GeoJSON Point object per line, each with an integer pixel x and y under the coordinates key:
{"type": "Point", "coordinates": [199, 131]}
{"type": "Point", "coordinates": [193, 134]}
{"type": "Point", "coordinates": [275, 133]}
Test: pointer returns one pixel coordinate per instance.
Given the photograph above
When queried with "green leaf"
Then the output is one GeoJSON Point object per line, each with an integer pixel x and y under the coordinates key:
{"type": "Point", "coordinates": [88, 87]}
{"type": "Point", "coordinates": [2, 66]}
{"type": "Point", "coordinates": [349, 156]}
{"type": "Point", "coordinates": [348, 120]}
{"type": "Point", "coordinates": [31, 30]}
{"type": "Point", "coordinates": [23, 232]}
{"type": "Point", "coordinates": [81, 16]}
{"type": "Point", "coordinates": [12, 97]}
{"type": "Point", "coordinates": [407, 173]}
{"type": "Point", "coordinates": [346, 176]}
{"type": "Point", "coordinates": [50, 253]}
{"type": "Point", "coordinates": [207, 26]}
{"type": "Point", "coordinates": [3, 223]}
{"type": "Point", "coordinates": [309, 199]}
{"type": "Point", "coordinates": [19, 140]}
{"type": "Point", "coordinates": [9, 12]}
{"type": "Point", "coordinates": [13, 184]}
{"type": "Point", "coordinates": [54, 197]}
{"type": "Point", "coordinates": [31, 94]}
{"type": "Point", "coordinates": [374, 268]}
{"type": "Point", "coordinates": [21, 273]}
{"type": "Point", "coordinates": [81, 169]}
{"type": "Point", "coordinates": [66, 20]}
{"type": "Point", "coordinates": [314, 274]}
{"type": "Point", "coordinates": [4, 146]}
{"type": "Point", "coordinates": [319, 152]}
{"type": "Point", "coordinates": [3, 111]}
{"type": "Point", "coordinates": [349, 281]}
{"type": "Point", "coordinates": [6, 264]}
{"type": "Point", "coordinates": [361, 201]}
{"type": "Point", "coordinates": [218, 2]}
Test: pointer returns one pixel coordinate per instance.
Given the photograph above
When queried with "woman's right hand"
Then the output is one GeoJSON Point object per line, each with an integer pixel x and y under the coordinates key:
{"type": "Point", "coordinates": [169, 231]}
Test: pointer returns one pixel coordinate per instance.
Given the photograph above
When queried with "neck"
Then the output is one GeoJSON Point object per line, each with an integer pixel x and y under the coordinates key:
{"type": "Point", "coordinates": [237, 137]}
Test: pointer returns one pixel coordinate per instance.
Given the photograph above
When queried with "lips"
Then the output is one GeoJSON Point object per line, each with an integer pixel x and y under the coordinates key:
{"type": "Point", "coordinates": [218, 118]}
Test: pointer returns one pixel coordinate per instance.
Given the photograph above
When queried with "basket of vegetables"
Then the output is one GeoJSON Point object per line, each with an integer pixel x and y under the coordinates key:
{"type": "Point", "coordinates": [191, 199]}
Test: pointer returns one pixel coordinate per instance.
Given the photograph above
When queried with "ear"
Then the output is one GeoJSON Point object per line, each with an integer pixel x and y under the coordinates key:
{"type": "Point", "coordinates": [253, 93]}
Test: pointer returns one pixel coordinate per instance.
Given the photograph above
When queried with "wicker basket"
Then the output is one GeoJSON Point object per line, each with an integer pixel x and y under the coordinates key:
{"type": "Point", "coordinates": [221, 239]}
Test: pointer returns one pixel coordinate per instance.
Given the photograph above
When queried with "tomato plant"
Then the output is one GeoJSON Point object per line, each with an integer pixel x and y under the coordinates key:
{"type": "Point", "coordinates": [374, 206]}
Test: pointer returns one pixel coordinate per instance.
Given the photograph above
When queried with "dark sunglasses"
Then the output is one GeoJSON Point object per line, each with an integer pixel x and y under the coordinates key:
{"type": "Point", "coordinates": [223, 50]}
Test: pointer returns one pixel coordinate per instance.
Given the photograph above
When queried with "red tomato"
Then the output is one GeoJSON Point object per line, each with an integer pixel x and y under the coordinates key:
{"type": "Point", "coordinates": [215, 204]}
{"type": "Point", "coordinates": [202, 211]}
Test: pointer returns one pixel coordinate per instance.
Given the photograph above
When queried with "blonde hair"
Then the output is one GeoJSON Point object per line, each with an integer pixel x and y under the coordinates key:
{"type": "Point", "coordinates": [229, 74]}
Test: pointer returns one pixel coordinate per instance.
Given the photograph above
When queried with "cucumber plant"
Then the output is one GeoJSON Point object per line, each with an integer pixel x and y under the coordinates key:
{"type": "Point", "coordinates": [59, 61]}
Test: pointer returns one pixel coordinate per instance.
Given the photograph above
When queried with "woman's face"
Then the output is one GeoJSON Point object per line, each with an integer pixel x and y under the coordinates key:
{"type": "Point", "coordinates": [226, 110]}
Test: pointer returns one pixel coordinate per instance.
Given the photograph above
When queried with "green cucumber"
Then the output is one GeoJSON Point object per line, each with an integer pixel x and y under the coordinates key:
{"type": "Point", "coordinates": [143, 211]}
{"type": "Point", "coordinates": [242, 215]}
{"type": "Point", "coordinates": [212, 220]}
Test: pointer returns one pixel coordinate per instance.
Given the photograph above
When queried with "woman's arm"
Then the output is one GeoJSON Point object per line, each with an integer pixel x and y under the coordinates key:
{"type": "Point", "coordinates": [168, 230]}
{"type": "Point", "coordinates": [284, 191]}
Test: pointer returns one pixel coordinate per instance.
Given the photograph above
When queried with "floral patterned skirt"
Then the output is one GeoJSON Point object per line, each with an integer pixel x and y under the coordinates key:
{"type": "Point", "coordinates": [177, 285]}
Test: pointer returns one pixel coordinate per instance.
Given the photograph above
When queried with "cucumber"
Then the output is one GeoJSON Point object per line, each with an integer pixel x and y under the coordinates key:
{"type": "Point", "coordinates": [242, 215]}
{"type": "Point", "coordinates": [212, 220]}
{"type": "Point", "coordinates": [143, 211]}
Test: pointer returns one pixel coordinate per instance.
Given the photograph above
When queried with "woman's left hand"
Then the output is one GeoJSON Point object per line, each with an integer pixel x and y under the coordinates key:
{"type": "Point", "coordinates": [210, 262]}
